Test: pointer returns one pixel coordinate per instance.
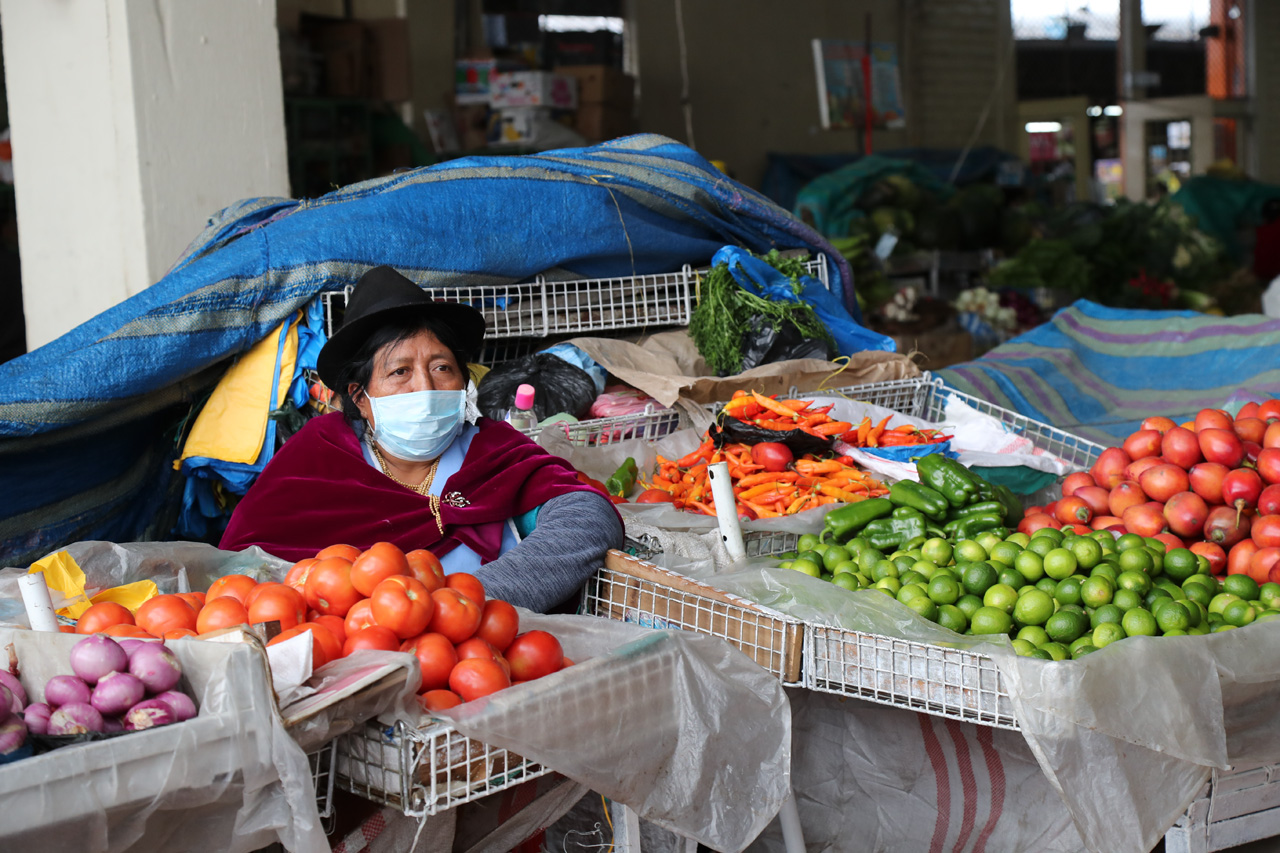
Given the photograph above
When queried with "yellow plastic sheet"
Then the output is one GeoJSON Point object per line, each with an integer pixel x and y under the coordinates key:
{"type": "Point", "coordinates": [63, 574]}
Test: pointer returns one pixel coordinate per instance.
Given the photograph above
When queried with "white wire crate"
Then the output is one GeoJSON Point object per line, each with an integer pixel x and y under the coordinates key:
{"type": "Point", "coordinates": [1234, 807]}
{"type": "Point", "coordinates": [425, 771]}
{"type": "Point", "coordinates": [650, 425]}
{"type": "Point", "coordinates": [631, 590]}
{"type": "Point", "coordinates": [322, 761]}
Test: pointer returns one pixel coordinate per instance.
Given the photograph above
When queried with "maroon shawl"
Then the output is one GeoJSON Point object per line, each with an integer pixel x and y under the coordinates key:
{"type": "Point", "coordinates": [319, 490]}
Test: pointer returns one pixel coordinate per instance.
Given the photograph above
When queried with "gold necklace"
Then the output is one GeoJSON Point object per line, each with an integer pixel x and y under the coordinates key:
{"type": "Point", "coordinates": [423, 488]}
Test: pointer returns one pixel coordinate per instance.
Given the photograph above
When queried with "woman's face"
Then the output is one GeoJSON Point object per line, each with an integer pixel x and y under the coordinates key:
{"type": "Point", "coordinates": [419, 363]}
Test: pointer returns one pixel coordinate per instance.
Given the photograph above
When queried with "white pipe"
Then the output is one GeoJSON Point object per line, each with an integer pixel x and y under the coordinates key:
{"type": "Point", "coordinates": [726, 510]}
{"type": "Point", "coordinates": [789, 816]}
{"type": "Point", "coordinates": [35, 597]}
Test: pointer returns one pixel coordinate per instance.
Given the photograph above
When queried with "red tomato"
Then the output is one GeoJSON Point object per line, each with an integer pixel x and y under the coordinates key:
{"type": "Point", "coordinates": [1266, 531]}
{"type": "Point", "coordinates": [655, 496]}
{"type": "Point", "coordinates": [478, 648]}
{"type": "Point", "coordinates": [477, 677]}
{"type": "Point", "coordinates": [297, 576]}
{"type": "Point", "coordinates": [102, 616]}
{"type": "Point", "coordinates": [223, 612]}
{"type": "Point", "coordinates": [381, 561]}
{"type": "Point", "coordinates": [359, 616]}
{"type": "Point", "coordinates": [336, 626]}
{"type": "Point", "coordinates": [534, 654]}
{"type": "Point", "coordinates": [282, 605]}
{"type": "Point", "coordinates": [179, 634]}
{"type": "Point", "coordinates": [123, 630]}
{"type": "Point", "coordinates": [265, 586]}
{"type": "Point", "coordinates": [499, 624]}
{"type": "Point", "coordinates": [346, 552]}
{"type": "Point", "coordinates": [468, 585]}
{"type": "Point", "coordinates": [436, 658]}
{"type": "Point", "coordinates": [373, 637]}
{"type": "Point", "coordinates": [329, 588]}
{"type": "Point", "coordinates": [402, 604]}
{"type": "Point", "coordinates": [236, 586]}
{"type": "Point", "coordinates": [319, 654]}
{"type": "Point", "coordinates": [195, 599]}
{"type": "Point", "coordinates": [773, 455]}
{"type": "Point", "coordinates": [163, 613]}
{"type": "Point", "coordinates": [66, 629]}
{"type": "Point", "coordinates": [456, 616]}
{"type": "Point", "coordinates": [439, 700]}
{"type": "Point", "coordinates": [424, 566]}
{"type": "Point", "coordinates": [321, 635]}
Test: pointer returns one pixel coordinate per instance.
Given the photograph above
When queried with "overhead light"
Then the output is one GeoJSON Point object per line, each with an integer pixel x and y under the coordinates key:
{"type": "Point", "coordinates": [1043, 126]}
{"type": "Point", "coordinates": [1094, 111]}
{"type": "Point", "coordinates": [1113, 110]}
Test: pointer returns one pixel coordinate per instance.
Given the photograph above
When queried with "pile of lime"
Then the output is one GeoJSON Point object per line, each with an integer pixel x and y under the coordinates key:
{"type": "Point", "coordinates": [1057, 594]}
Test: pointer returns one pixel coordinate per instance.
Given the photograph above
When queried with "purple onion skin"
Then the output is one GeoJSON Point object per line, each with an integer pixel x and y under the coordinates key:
{"type": "Point", "coordinates": [148, 714]}
{"type": "Point", "coordinates": [131, 643]}
{"type": "Point", "coordinates": [6, 703]}
{"type": "Point", "coordinates": [156, 666]}
{"type": "Point", "coordinates": [112, 724]}
{"type": "Point", "coordinates": [66, 690]}
{"type": "Point", "coordinates": [75, 719]}
{"type": "Point", "coordinates": [182, 705]}
{"type": "Point", "coordinates": [7, 679]}
{"type": "Point", "coordinates": [37, 718]}
{"type": "Point", "coordinates": [13, 733]}
{"type": "Point", "coordinates": [117, 692]}
{"type": "Point", "coordinates": [95, 656]}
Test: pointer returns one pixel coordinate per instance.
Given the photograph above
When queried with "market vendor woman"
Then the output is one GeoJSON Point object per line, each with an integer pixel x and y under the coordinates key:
{"type": "Point", "coordinates": [409, 460]}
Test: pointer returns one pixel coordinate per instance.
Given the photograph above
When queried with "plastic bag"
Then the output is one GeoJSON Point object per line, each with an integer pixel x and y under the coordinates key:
{"type": "Point", "coordinates": [558, 387]}
{"type": "Point", "coordinates": [764, 343]}
{"type": "Point", "coordinates": [578, 358]}
{"type": "Point", "coordinates": [730, 429]}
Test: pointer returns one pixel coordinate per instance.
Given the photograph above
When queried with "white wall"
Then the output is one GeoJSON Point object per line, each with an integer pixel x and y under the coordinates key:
{"type": "Point", "coordinates": [132, 122]}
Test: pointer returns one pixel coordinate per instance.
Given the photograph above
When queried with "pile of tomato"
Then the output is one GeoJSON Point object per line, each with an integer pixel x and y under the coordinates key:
{"type": "Point", "coordinates": [350, 600]}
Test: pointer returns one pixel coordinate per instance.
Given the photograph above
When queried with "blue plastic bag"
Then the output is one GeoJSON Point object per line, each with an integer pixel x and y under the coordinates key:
{"type": "Point", "coordinates": [909, 452]}
{"type": "Point", "coordinates": [758, 277]}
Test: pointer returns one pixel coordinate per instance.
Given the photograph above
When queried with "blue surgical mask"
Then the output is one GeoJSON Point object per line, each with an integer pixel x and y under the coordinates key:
{"type": "Point", "coordinates": [420, 425]}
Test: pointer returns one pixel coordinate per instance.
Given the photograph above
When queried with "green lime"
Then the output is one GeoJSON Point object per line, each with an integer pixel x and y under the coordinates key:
{"type": "Point", "coordinates": [1175, 632]}
{"type": "Point", "coordinates": [1198, 592]}
{"type": "Point", "coordinates": [952, 618]}
{"type": "Point", "coordinates": [808, 567]}
{"type": "Point", "coordinates": [1136, 560]}
{"type": "Point", "coordinates": [1172, 588]}
{"type": "Point", "coordinates": [925, 607]}
{"type": "Point", "coordinates": [835, 555]}
{"type": "Point", "coordinates": [1086, 649]}
{"type": "Point", "coordinates": [1066, 626]}
{"type": "Point", "coordinates": [1096, 591]}
{"type": "Point", "coordinates": [1006, 553]}
{"type": "Point", "coordinates": [978, 578]}
{"type": "Point", "coordinates": [937, 551]}
{"type": "Point", "coordinates": [1139, 623]}
{"type": "Point", "coordinates": [904, 564]}
{"type": "Point", "coordinates": [884, 569]}
{"type": "Point", "coordinates": [1180, 564]}
{"type": "Point", "coordinates": [846, 580]}
{"type": "Point", "coordinates": [826, 576]}
{"type": "Point", "coordinates": [1241, 585]}
{"type": "Point", "coordinates": [1269, 594]}
{"type": "Point", "coordinates": [1088, 552]}
{"type": "Point", "coordinates": [1239, 613]}
{"type": "Point", "coordinates": [1128, 541]}
{"type": "Point", "coordinates": [1048, 585]}
{"type": "Point", "coordinates": [1011, 577]}
{"type": "Point", "coordinates": [1040, 654]}
{"type": "Point", "coordinates": [1107, 633]}
{"type": "Point", "coordinates": [890, 585]}
{"type": "Point", "coordinates": [1153, 544]}
{"type": "Point", "coordinates": [924, 568]}
{"type": "Point", "coordinates": [1157, 561]}
{"type": "Point", "coordinates": [1030, 565]}
{"type": "Point", "coordinates": [1023, 647]}
{"type": "Point", "coordinates": [971, 551]}
{"type": "Point", "coordinates": [847, 567]}
{"type": "Point", "coordinates": [988, 539]}
{"type": "Point", "coordinates": [1000, 596]}
{"type": "Point", "coordinates": [944, 589]}
{"type": "Point", "coordinates": [1127, 599]}
{"type": "Point", "coordinates": [1019, 539]}
{"type": "Point", "coordinates": [1220, 601]}
{"type": "Point", "coordinates": [912, 576]}
{"type": "Point", "coordinates": [788, 555]}
{"type": "Point", "coordinates": [1173, 617]}
{"type": "Point", "coordinates": [1041, 545]}
{"type": "Point", "coordinates": [1060, 563]}
{"type": "Point", "coordinates": [1082, 640]}
{"type": "Point", "coordinates": [1034, 608]}
{"type": "Point", "coordinates": [1136, 581]}
{"type": "Point", "coordinates": [1032, 633]}
{"type": "Point", "coordinates": [1268, 616]}
{"type": "Point", "coordinates": [1149, 600]}
{"type": "Point", "coordinates": [1068, 591]}
{"type": "Point", "coordinates": [1049, 533]}
{"type": "Point", "coordinates": [1105, 570]}
{"type": "Point", "coordinates": [1106, 613]}
{"type": "Point", "coordinates": [857, 545]}
{"type": "Point", "coordinates": [869, 557]}
{"type": "Point", "coordinates": [969, 605]}
{"type": "Point", "coordinates": [806, 542]}
{"type": "Point", "coordinates": [785, 564]}
{"type": "Point", "coordinates": [910, 591]}
{"type": "Point", "coordinates": [1056, 651]}
{"type": "Point", "coordinates": [990, 620]}
{"type": "Point", "coordinates": [1222, 626]}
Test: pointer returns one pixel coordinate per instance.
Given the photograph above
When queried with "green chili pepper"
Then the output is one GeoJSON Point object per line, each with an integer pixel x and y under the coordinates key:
{"type": "Point", "coordinates": [917, 496]}
{"type": "Point", "coordinates": [978, 508]}
{"type": "Point", "coordinates": [841, 524]}
{"type": "Point", "coordinates": [972, 525]}
{"type": "Point", "coordinates": [892, 533]}
{"type": "Point", "coordinates": [1013, 511]}
{"type": "Point", "coordinates": [940, 473]}
{"type": "Point", "coordinates": [621, 481]}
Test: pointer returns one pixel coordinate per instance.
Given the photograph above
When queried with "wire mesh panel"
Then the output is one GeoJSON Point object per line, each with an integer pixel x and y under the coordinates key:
{"type": "Point", "coordinates": [649, 425]}
{"type": "Point", "coordinates": [322, 761]}
{"type": "Point", "coordinates": [425, 771]}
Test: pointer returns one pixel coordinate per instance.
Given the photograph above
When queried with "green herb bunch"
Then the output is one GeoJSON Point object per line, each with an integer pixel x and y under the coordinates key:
{"type": "Point", "coordinates": [725, 312]}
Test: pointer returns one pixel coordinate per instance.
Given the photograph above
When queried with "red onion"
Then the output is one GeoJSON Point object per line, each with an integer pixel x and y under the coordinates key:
{"type": "Point", "coordinates": [182, 705]}
{"type": "Point", "coordinates": [37, 718]}
{"type": "Point", "coordinates": [6, 703]}
{"type": "Point", "coordinates": [117, 692]}
{"type": "Point", "coordinates": [75, 719]}
{"type": "Point", "coordinates": [156, 666]}
{"type": "Point", "coordinates": [147, 715]}
{"type": "Point", "coordinates": [131, 643]}
{"type": "Point", "coordinates": [13, 733]}
{"type": "Point", "coordinates": [95, 656]}
{"type": "Point", "coordinates": [66, 690]}
{"type": "Point", "coordinates": [11, 681]}
{"type": "Point", "coordinates": [112, 724]}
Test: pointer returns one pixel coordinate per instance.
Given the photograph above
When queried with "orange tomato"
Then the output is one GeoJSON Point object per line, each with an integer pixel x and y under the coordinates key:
{"type": "Point", "coordinates": [265, 586]}
{"type": "Point", "coordinates": [123, 630]}
{"type": "Point", "coordinates": [297, 576]}
{"type": "Point", "coordinates": [195, 599]}
{"type": "Point", "coordinates": [477, 677]}
{"type": "Point", "coordinates": [359, 616]}
{"type": "Point", "coordinates": [424, 566]}
{"type": "Point", "coordinates": [283, 605]}
{"type": "Point", "coordinates": [66, 629]}
{"type": "Point", "coordinates": [103, 615]}
{"type": "Point", "coordinates": [436, 659]}
{"type": "Point", "coordinates": [382, 560]}
{"type": "Point", "coordinates": [499, 624]}
{"type": "Point", "coordinates": [373, 637]}
{"type": "Point", "coordinates": [163, 613]}
{"type": "Point", "coordinates": [329, 590]}
{"type": "Point", "coordinates": [237, 586]}
{"type": "Point", "coordinates": [335, 625]}
{"type": "Point", "coordinates": [179, 634]}
{"type": "Point", "coordinates": [439, 700]}
{"type": "Point", "coordinates": [223, 612]}
{"type": "Point", "coordinates": [319, 655]}
{"type": "Point", "coordinates": [332, 645]}
{"type": "Point", "coordinates": [346, 552]}
{"type": "Point", "coordinates": [402, 604]}
{"type": "Point", "coordinates": [468, 585]}
{"type": "Point", "coordinates": [456, 616]}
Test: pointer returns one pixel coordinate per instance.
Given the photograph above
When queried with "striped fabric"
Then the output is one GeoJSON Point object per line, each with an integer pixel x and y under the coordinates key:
{"type": "Point", "coordinates": [1097, 371]}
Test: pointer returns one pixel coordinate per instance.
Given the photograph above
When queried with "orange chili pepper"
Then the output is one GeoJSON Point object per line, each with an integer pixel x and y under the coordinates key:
{"type": "Point", "coordinates": [762, 489]}
{"type": "Point", "coordinates": [863, 429]}
{"type": "Point", "coordinates": [798, 504]}
{"type": "Point", "coordinates": [832, 428]}
{"type": "Point", "coordinates": [874, 434]}
{"type": "Point", "coordinates": [811, 468]}
{"type": "Point", "coordinates": [703, 508]}
{"type": "Point", "coordinates": [841, 494]}
{"type": "Point", "coordinates": [767, 477]}
{"type": "Point", "coordinates": [760, 511]}
{"type": "Point", "coordinates": [774, 406]}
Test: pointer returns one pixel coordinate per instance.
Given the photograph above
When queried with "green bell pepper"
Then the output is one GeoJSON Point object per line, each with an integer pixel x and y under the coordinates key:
{"type": "Point", "coordinates": [949, 477]}
{"type": "Point", "coordinates": [971, 525]}
{"type": "Point", "coordinates": [887, 534]}
{"type": "Point", "coordinates": [920, 497]}
{"type": "Point", "coordinates": [620, 482]}
{"type": "Point", "coordinates": [841, 524]}
{"type": "Point", "coordinates": [978, 509]}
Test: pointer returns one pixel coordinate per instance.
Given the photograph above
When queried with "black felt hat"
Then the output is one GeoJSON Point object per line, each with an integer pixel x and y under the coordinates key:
{"type": "Point", "coordinates": [382, 295]}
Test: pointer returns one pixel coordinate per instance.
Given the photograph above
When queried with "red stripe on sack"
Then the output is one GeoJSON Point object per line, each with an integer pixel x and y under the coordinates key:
{"type": "Point", "coordinates": [967, 783]}
{"type": "Point", "coordinates": [995, 772]}
{"type": "Point", "coordinates": [933, 748]}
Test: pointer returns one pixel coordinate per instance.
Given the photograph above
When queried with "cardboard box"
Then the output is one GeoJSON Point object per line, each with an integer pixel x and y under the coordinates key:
{"type": "Point", "coordinates": [471, 80]}
{"type": "Point", "coordinates": [388, 76]}
{"type": "Point", "coordinates": [599, 122]}
{"type": "Point", "coordinates": [602, 84]}
{"type": "Point", "coordinates": [533, 89]}
{"type": "Point", "coordinates": [516, 125]}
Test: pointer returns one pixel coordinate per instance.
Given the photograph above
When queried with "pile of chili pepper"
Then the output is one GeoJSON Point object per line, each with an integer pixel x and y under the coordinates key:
{"type": "Point", "coordinates": [807, 483]}
{"type": "Point", "coordinates": [754, 408]}
{"type": "Point", "coordinates": [867, 434]}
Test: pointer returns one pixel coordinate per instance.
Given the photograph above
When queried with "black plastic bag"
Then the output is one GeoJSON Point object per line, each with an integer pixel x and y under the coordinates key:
{"type": "Point", "coordinates": [765, 343]}
{"type": "Point", "coordinates": [728, 430]}
{"type": "Point", "coordinates": [558, 387]}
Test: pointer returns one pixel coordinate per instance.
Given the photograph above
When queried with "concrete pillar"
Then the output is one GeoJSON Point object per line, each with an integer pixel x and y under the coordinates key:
{"type": "Point", "coordinates": [132, 122]}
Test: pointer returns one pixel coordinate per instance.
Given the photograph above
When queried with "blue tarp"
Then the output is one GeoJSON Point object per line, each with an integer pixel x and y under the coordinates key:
{"type": "Point", "coordinates": [89, 422]}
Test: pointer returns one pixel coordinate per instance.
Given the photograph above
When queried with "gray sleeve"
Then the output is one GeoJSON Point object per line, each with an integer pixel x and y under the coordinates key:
{"type": "Point", "coordinates": [572, 534]}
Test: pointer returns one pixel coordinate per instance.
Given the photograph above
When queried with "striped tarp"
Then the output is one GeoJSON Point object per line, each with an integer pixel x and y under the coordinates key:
{"type": "Point", "coordinates": [1097, 371]}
